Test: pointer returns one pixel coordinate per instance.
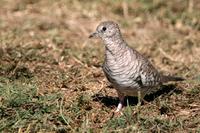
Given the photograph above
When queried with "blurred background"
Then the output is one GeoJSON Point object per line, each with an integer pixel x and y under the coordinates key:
{"type": "Point", "coordinates": [50, 72]}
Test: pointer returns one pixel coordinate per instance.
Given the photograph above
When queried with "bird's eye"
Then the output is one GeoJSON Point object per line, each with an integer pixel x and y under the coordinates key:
{"type": "Point", "coordinates": [104, 28]}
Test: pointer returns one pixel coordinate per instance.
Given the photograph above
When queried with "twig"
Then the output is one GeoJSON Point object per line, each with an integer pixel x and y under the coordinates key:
{"type": "Point", "coordinates": [125, 9]}
{"type": "Point", "coordinates": [167, 55]}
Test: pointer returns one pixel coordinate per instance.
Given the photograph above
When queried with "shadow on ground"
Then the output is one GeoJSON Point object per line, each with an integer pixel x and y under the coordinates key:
{"type": "Point", "coordinates": [164, 90]}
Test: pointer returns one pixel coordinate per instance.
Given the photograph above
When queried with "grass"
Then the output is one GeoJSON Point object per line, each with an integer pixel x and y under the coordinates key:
{"type": "Point", "coordinates": [50, 72]}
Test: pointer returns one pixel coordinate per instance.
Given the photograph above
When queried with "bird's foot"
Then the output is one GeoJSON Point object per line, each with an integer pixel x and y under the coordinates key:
{"type": "Point", "coordinates": [119, 107]}
{"type": "Point", "coordinates": [118, 111]}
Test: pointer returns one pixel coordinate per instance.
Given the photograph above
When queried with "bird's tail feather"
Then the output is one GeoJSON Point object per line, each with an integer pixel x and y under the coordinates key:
{"type": "Point", "coordinates": [171, 78]}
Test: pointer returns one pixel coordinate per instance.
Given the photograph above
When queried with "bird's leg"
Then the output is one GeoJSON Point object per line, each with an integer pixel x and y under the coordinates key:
{"type": "Point", "coordinates": [140, 97]}
{"type": "Point", "coordinates": [121, 101]}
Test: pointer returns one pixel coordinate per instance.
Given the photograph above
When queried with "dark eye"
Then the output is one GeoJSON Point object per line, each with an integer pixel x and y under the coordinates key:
{"type": "Point", "coordinates": [104, 28]}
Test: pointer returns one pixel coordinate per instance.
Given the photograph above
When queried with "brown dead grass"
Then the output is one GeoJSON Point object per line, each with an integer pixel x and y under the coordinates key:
{"type": "Point", "coordinates": [50, 39]}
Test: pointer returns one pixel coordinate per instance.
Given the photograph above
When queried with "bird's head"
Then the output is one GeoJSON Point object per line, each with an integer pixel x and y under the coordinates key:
{"type": "Point", "coordinates": [106, 30]}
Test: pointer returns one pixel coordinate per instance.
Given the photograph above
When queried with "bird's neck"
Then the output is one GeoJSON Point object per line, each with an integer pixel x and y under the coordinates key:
{"type": "Point", "coordinates": [114, 45]}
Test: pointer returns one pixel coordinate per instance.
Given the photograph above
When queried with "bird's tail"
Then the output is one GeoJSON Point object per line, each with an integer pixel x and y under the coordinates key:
{"type": "Point", "coordinates": [171, 78]}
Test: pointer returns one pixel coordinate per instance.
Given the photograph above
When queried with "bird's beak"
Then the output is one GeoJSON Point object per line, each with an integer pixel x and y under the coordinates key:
{"type": "Point", "coordinates": [95, 34]}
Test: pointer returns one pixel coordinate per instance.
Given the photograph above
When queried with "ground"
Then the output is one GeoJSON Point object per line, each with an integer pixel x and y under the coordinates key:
{"type": "Point", "coordinates": [50, 72]}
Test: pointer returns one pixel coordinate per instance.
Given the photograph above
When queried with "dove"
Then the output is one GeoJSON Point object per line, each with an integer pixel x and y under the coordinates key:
{"type": "Point", "coordinates": [126, 69]}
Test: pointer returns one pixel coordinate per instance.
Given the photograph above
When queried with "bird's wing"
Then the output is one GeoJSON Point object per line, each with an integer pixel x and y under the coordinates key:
{"type": "Point", "coordinates": [149, 75]}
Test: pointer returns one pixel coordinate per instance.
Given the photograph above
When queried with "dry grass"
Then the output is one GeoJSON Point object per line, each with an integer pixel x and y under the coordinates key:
{"type": "Point", "coordinates": [50, 72]}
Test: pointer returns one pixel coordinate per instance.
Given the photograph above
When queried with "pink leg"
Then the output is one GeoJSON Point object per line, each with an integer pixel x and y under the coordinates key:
{"type": "Point", "coordinates": [121, 101]}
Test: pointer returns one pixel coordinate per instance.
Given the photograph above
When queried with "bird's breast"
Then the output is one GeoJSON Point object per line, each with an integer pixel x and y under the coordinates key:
{"type": "Point", "coordinates": [121, 70]}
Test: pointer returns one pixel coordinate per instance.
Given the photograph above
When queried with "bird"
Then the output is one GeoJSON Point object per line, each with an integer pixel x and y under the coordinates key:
{"type": "Point", "coordinates": [130, 72]}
